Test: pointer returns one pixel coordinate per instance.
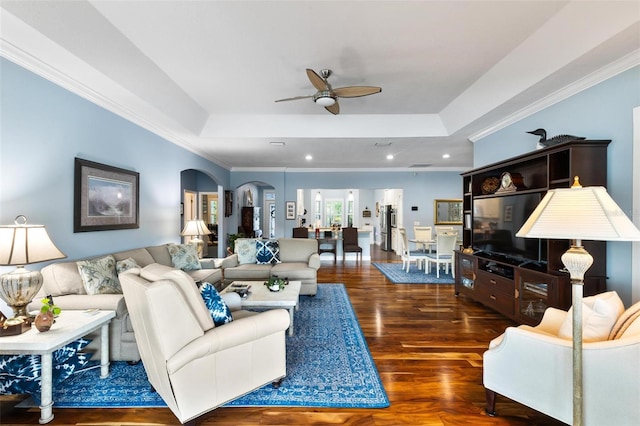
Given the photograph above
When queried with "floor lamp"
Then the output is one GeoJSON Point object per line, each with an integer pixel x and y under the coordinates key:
{"type": "Point", "coordinates": [578, 214]}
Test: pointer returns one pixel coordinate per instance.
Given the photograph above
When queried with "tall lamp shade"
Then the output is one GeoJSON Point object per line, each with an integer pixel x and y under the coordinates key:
{"type": "Point", "coordinates": [23, 244]}
{"type": "Point", "coordinates": [194, 228]}
{"type": "Point", "coordinates": [578, 214]}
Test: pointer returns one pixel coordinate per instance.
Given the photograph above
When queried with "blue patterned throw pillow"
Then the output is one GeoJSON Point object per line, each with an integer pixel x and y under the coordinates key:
{"type": "Point", "coordinates": [220, 312]}
{"type": "Point", "coordinates": [267, 251]}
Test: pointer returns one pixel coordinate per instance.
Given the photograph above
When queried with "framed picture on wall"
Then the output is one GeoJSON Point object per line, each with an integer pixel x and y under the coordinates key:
{"type": "Point", "coordinates": [105, 197]}
{"type": "Point", "coordinates": [290, 208]}
{"type": "Point", "coordinates": [228, 203]}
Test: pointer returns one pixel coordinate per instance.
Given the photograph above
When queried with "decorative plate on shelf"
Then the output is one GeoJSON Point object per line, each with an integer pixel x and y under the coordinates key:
{"type": "Point", "coordinates": [490, 185]}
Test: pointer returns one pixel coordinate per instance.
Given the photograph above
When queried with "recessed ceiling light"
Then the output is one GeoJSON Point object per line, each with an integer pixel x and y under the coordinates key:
{"type": "Point", "coordinates": [308, 157]}
{"type": "Point", "coordinates": [445, 156]}
{"type": "Point", "coordinates": [389, 156]}
{"type": "Point", "coordinates": [277, 143]}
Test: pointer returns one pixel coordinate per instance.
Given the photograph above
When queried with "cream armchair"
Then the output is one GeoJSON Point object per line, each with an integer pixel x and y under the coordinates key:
{"type": "Point", "coordinates": [532, 366]}
{"type": "Point", "coordinates": [192, 364]}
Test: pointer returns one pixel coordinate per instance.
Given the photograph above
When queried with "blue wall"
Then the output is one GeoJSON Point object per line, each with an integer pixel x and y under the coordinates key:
{"type": "Point", "coordinates": [601, 112]}
{"type": "Point", "coordinates": [43, 127]}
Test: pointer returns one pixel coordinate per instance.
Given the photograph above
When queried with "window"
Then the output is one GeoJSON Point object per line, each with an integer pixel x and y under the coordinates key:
{"type": "Point", "coordinates": [333, 212]}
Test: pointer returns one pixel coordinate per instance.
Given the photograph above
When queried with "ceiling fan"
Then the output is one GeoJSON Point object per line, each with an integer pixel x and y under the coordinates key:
{"type": "Point", "coordinates": [327, 96]}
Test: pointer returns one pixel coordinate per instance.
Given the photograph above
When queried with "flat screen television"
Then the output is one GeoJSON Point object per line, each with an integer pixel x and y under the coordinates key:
{"type": "Point", "coordinates": [496, 221]}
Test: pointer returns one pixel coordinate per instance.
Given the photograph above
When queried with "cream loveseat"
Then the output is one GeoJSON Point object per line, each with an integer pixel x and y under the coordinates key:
{"type": "Point", "coordinates": [533, 365]}
{"type": "Point", "coordinates": [194, 365]}
{"type": "Point", "coordinates": [257, 260]}
{"type": "Point", "coordinates": [63, 281]}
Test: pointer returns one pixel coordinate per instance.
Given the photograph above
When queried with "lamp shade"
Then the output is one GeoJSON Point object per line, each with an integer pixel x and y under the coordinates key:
{"type": "Point", "coordinates": [579, 213]}
{"type": "Point", "coordinates": [23, 244]}
{"type": "Point", "coordinates": [194, 228]}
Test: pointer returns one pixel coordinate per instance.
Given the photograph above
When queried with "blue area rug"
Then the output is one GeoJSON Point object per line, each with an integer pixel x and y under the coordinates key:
{"type": "Point", "coordinates": [328, 365]}
{"type": "Point", "coordinates": [395, 274]}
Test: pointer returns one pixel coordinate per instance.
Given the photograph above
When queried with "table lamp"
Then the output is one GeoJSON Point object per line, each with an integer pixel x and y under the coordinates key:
{"type": "Point", "coordinates": [194, 228]}
{"type": "Point", "coordinates": [22, 244]}
{"type": "Point", "coordinates": [578, 214]}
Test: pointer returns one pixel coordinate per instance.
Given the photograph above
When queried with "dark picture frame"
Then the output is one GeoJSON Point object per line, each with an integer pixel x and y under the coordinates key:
{"type": "Point", "coordinates": [105, 197]}
{"type": "Point", "coordinates": [290, 209]}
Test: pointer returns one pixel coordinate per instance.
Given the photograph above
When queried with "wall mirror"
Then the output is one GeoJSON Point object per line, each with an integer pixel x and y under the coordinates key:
{"type": "Point", "coordinates": [447, 212]}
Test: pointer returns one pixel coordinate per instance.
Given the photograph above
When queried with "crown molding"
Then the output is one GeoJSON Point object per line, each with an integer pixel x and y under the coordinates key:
{"type": "Point", "coordinates": [623, 64]}
{"type": "Point", "coordinates": [55, 76]}
{"type": "Point", "coordinates": [459, 169]}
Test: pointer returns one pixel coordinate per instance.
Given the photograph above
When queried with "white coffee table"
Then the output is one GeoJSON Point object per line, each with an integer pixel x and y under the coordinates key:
{"type": "Point", "coordinates": [69, 326]}
{"type": "Point", "coordinates": [262, 297]}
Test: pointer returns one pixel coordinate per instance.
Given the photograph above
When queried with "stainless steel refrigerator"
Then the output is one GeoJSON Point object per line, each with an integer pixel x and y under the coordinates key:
{"type": "Point", "coordinates": [385, 227]}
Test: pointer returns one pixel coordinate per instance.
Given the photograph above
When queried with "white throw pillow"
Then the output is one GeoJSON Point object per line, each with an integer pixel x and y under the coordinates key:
{"type": "Point", "coordinates": [599, 314]}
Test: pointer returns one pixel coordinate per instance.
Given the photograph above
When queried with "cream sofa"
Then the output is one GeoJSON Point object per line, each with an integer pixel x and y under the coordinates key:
{"type": "Point", "coordinates": [194, 365]}
{"type": "Point", "coordinates": [533, 366]}
{"type": "Point", "coordinates": [299, 261]}
{"type": "Point", "coordinates": [63, 282]}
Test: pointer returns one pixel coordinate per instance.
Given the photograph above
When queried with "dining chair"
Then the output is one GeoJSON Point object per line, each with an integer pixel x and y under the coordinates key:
{"type": "Point", "coordinates": [350, 242]}
{"type": "Point", "coordinates": [445, 243]}
{"type": "Point", "coordinates": [407, 255]}
{"type": "Point", "coordinates": [440, 229]}
{"type": "Point", "coordinates": [423, 233]}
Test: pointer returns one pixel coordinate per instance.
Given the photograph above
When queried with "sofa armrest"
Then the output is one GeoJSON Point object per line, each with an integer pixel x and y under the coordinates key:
{"type": "Point", "coordinates": [314, 261]}
{"type": "Point", "coordinates": [207, 263]}
{"type": "Point", "coordinates": [233, 300]}
{"type": "Point", "coordinates": [69, 302]}
{"type": "Point", "coordinates": [235, 333]}
{"type": "Point", "coordinates": [230, 261]}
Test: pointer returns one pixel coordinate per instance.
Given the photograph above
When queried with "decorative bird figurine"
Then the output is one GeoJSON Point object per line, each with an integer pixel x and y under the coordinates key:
{"type": "Point", "coordinates": [544, 142]}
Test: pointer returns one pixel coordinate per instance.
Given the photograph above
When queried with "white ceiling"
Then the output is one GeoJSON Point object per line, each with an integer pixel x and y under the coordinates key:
{"type": "Point", "coordinates": [205, 74]}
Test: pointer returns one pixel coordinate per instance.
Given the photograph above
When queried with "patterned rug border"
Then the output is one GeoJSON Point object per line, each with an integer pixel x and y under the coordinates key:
{"type": "Point", "coordinates": [395, 274]}
{"type": "Point", "coordinates": [354, 381]}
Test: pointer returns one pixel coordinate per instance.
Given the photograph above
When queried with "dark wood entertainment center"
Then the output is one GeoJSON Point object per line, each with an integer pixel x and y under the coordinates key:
{"type": "Point", "coordinates": [522, 288]}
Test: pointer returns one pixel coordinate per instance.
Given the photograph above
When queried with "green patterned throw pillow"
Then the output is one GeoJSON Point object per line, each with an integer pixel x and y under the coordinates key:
{"type": "Point", "coordinates": [99, 275]}
{"type": "Point", "coordinates": [126, 264]}
{"type": "Point", "coordinates": [184, 256]}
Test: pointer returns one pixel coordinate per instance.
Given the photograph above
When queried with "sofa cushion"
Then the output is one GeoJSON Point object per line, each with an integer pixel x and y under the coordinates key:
{"type": "Point", "coordinates": [155, 271]}
{"type": "Point", "coordinates": [267, 252]}
{"type": "Point", "coordinates": [294, 271]}
{"type": "Point", "coordinates": [160, 254]}
{"type": "Point", "coordinates": [218, 309]}
{"type": "Point", "coordinates": [99, 275]}
{"type": "Point", "coordinates": [209, 275]}
{"type": "Point", "coordinates": [125, 265]}
{"type": "Point", "coordinates": [184, 256]}
{"type": "Point", "coordinates": [625, 321]}
{"type": "Point", "coordinates": [297, 249]}
{"type": "Point", "coordinates": [246, 250]}
{"type": "Point", "coordinates": [599, 314]}
{"type": "Point", "coordinates": [62, 278]}
{"type": "Point", "coordinates": [140, 255]}
{"type": "Point", "coordinates": [248, 272]}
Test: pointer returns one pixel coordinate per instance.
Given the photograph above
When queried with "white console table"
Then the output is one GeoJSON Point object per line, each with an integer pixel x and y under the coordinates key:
{"type": "Point", "coordinates": [69, 326]}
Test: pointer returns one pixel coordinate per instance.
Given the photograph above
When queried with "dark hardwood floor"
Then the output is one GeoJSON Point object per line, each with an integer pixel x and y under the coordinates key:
{"type": "Point", "coordinates": [426, 342]}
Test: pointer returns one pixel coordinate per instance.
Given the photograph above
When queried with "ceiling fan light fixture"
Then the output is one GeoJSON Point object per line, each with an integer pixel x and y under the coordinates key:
{"type": "Point", "coordinates": [324, 98]}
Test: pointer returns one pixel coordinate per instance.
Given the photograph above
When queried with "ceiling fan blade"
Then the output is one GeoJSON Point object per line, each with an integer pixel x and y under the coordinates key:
{"type": "Point", "coordinates": [356, 91]}
{"type": "Point", "coordinates": [333, 109]}
{"type": "Point", "coordinates": [316, 80]}
{"type": "Point", "coordinates": [295, 98]}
